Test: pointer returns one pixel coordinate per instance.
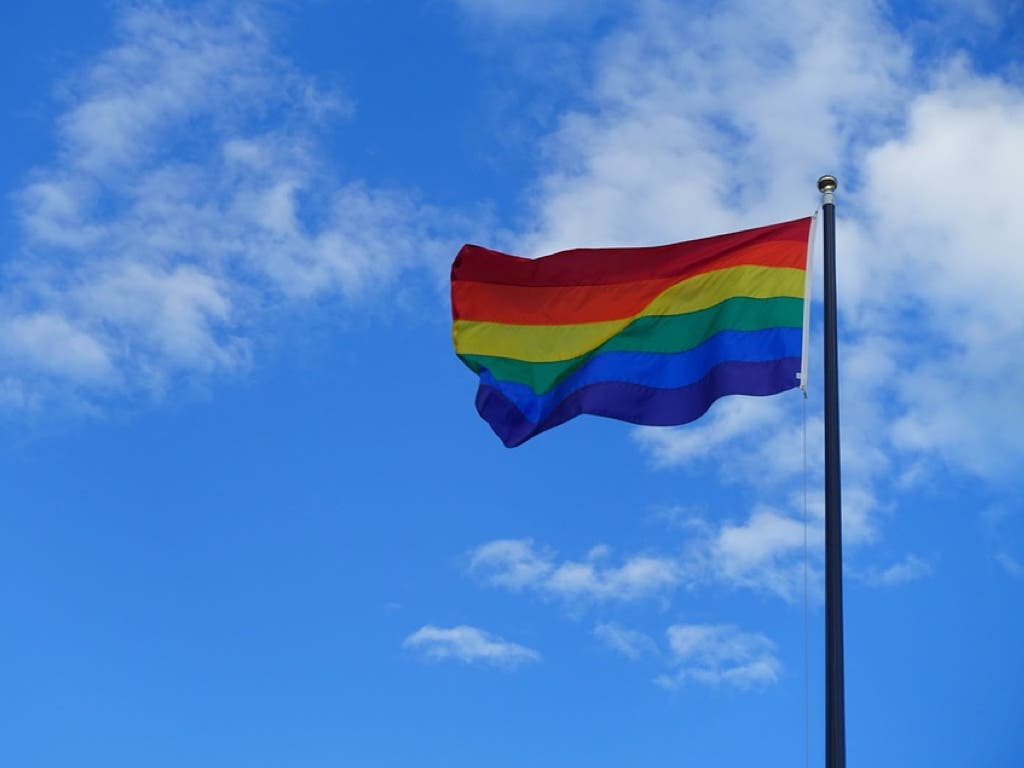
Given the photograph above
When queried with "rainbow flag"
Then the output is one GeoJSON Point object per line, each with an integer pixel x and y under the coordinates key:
{"type": "Point", "coordinates": [647, 335]}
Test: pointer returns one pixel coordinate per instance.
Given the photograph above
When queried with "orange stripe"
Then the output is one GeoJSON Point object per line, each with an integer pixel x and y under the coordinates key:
{"type": "Point", "coordinates": [526, 305]}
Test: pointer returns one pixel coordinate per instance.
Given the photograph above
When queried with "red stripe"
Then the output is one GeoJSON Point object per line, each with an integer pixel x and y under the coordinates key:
{"type": "Point", "coordinates": [606, 266]}
{"type": "Point", "coordinates": [526, 305]}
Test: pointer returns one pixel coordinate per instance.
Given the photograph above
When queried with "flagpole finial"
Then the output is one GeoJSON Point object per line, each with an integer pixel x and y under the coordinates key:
{"type": "Point", "coordinates": [827, 185]}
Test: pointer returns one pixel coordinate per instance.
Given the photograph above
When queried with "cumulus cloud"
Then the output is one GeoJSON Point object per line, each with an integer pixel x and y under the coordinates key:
{"type": "Point", "coordinates": [768, 550]}
{"type": "Point", "coordinates": [518, 564]}
{"type": "Point", "coordinates": [763, 553]}
{"type": "Point", "coordinates": [720, 654]}
{"type": "Point", "coordinates": [942, 239]}
{"type": "Point", "coordinates": [469, 645]}
{"type": "Point", "coordinates": [185, 200]}
{"type": "Point", "coordinates": [700, 123]}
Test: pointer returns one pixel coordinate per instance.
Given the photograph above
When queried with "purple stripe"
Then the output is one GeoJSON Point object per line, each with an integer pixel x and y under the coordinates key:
{"type": "Point", "coordinates": [640, 404]}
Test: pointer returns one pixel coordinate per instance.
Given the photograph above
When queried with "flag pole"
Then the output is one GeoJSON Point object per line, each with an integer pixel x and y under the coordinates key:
{"type": "Point", "coordinates": [835, 715]}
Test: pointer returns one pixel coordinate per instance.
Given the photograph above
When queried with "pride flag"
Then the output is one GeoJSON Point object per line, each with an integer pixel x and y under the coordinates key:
{"type": "Point", "coordinates": [647, 335]}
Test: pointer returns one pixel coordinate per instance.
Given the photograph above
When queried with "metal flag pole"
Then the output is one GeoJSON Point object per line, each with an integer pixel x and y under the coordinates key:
{"type": "Point", "coordinates": [835, 714]}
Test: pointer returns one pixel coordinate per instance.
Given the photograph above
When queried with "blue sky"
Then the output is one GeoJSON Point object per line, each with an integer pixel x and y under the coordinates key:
{"type": "Point", "coordinates": [250, 516]}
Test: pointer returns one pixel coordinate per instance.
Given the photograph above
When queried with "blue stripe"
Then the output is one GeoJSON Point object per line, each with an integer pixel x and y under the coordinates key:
{"type": "Point", "coordinates": [651, 369]}
{"type": "Point", "coordinates": [639, 404]}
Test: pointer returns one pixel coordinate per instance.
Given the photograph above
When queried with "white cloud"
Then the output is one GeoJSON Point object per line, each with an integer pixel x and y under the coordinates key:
{"type": "Point", "coordinates": [1010, 564]}
{"type": "Point", "coordinates": [763, 552]}
{"type": "Point", "coordinates": [720, 654]}
{"type": "Point", "coordinates": [520, 11]}
{"type": "Point", "coordinates": [941, 257]}
{"type": "Point", "coordinates": [46, 342]}
{"type": "Point", "coordinates": [628, 642]}
{"type": "Point", "coordinates": [701, 124]}
{"type": "Point", "coordinates": [910, 568]}
{"type": "Point", "coordinates": [517, 564]}
{"type": "Point", "coordinates": [187, 199]}
{"type": "Point", "coordinates": [511, 563]}
{"type": "Point", "coordinates": [707, 654]}
{"type": "Point", "coordinates": [728, 420]}
{"type": "Point", "coordinates": [469, 645]}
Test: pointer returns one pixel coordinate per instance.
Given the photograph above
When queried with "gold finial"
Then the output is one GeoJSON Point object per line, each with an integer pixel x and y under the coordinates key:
{"type": "Point", "coordinates": [827, 184]}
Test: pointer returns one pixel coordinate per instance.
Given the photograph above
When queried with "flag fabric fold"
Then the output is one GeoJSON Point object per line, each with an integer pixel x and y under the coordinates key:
{"type": "Point", "coordinates": [648, 335]}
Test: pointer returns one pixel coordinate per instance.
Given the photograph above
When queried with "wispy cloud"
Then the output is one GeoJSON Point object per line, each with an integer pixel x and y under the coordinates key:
{"type": "Point", "coordinates": [761, 551]}
{"type": "Point", "coordinates": [720, 654]}
{"type": "Point", "coordinates": [910, 568]}
{"type": "Point", "coordinates": [764, 553]}
{"type": "Point", "coordinates": [469, 645]}
{"type": "Point", "coordinates": [186, 199]}
{"type": "Point", "coordinates": [628, 642]}
{"type": "Point", "coordinates": [517, 564]}
{"type": "Point", "coordinates": [731, 420]}
{"type": "Point", "coordinates": [527, 11]}
{"type": "Point", "coordinates": [1010, 564]}
{"type": "Point", "coordinates": [704, 654]}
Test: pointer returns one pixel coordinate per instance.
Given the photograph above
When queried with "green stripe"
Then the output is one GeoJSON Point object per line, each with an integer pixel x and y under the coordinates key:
{"type": "Point", "coordinates": [654, 333]}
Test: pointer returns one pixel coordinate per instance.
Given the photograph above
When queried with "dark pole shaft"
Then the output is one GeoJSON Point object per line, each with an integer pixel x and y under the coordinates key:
{"type": "Point", "coordinates": [835, 733]}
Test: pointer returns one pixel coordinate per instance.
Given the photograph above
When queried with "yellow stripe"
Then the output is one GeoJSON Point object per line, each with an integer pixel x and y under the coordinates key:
{"type": "Point", "coordinates": [549, 343]}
